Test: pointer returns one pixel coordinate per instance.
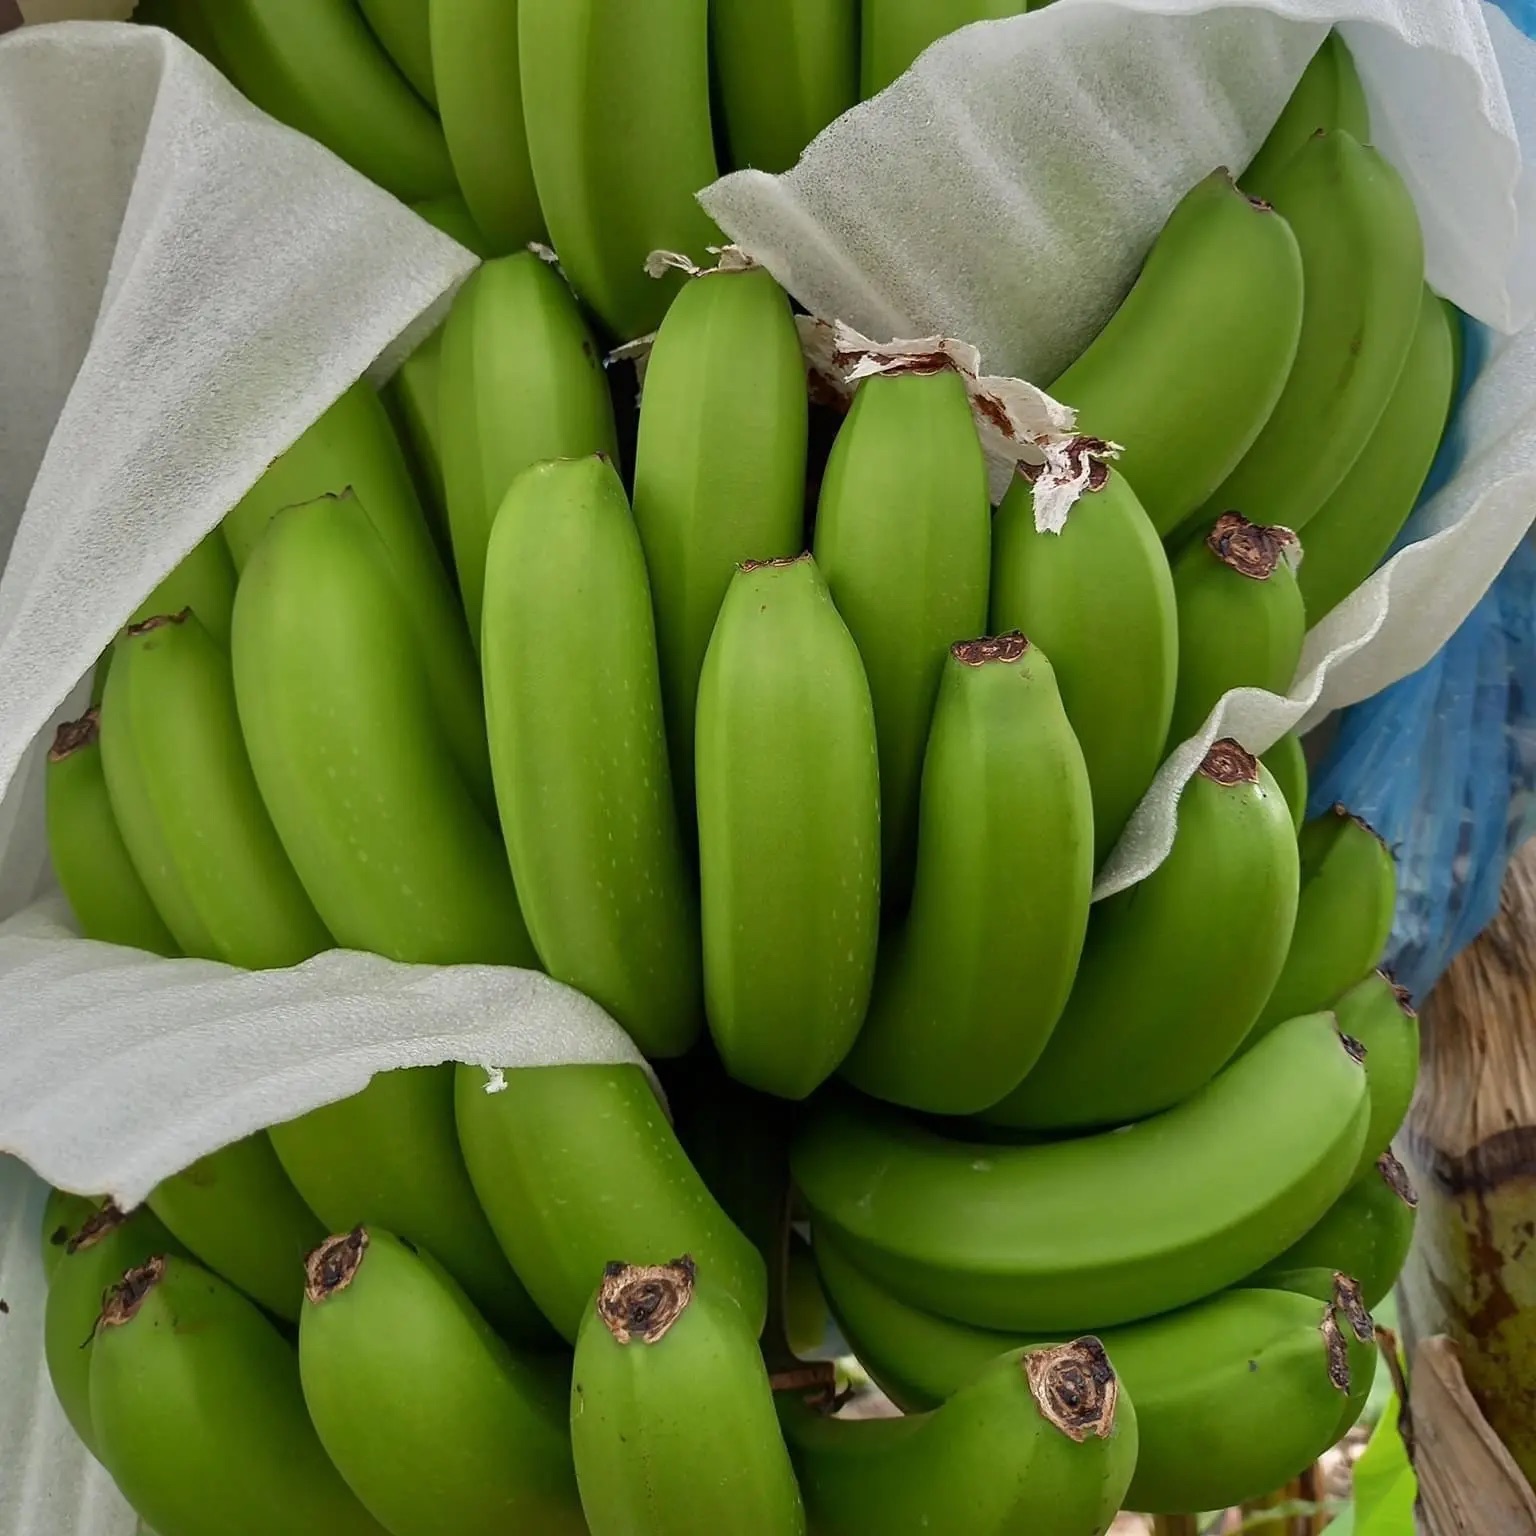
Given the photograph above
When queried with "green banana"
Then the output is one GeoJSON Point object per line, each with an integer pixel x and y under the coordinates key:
{"type": "Point", "coordinates": [786, 68]}
{"type": "Point", "coordinates": [1097, 598]}
{"type": "Point", "coordinates": [1328, 96]}
{"type": "Point", "coordinates": [1171, 979]}
{"type": "Point", "coordinates": [903, 536]}
{"type": "Point", "coordinates": [576, 1163]}
{"type": "Point", "coordinates": [805, 1307]}
{"type": "Point", "coordinates": [1363, 263]}
{"type": "Point", "coordinates": [1241, 619]}
{"type": "Point", "coordinates": [93, 1256]}
{"type": "Point", "coordinates": [90, 859]}
{"type": "Point", "coordinates": [1189, 367]}
{"type": "Point", "coordinates": [402, 27]}
{"type": "Point", "coordinates": [1343, 917]}
{"type": "Point", "coordinates": [789, 830]}
{"type": "Point", "coordinates": [353, 447]}
{"type": "Point", "coordinates": [1234, 1394]}
{"type": "Point", "coordinates": [187, 805]}
{"type": "Point", "coordinates": [1040, 1442]}
{"type": "Point", "coordinates": [1378, 1013]}
{"type": "Point", "coordinates": [719, 469]}
{"type": "Point", "coordinates": [63, 1215]}
{"type": "Point", "coordinates": [203, 582]}
{"type": "Point", "coordinates": [237, 1212]}
{"type": "Point", "coordinates": [199, 1414]}
{"type": "Point", "coordinates": [1355, 527]}
{"type": "Point", "coordinates": [573, 707]}
{"type": "Point", "coordinates": [316, 66]}
{"type": "Point", "coordinates": [474, 61]}
{"type": "Point", "coordinates": [1287, 761]}
{"type": "Point", "coordinates": [1365, 1234]}
{"type": "Point", "coordinates": [672, 1418]}
{"type": "Point", "coordinates": [1099, 1230]}
{"type": "Point", "coordinates": [969, 989]}
{"type": "Point", "coordinates": [894, 32]}
{"type": "Point", "coordinates": [521, 382]}
{"type": "Point", "coordinates": [434, 1423]}
{"type": "Point", "coordinates": [611, 194]}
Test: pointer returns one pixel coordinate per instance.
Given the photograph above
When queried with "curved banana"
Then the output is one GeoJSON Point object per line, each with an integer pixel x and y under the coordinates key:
{"type": "Point", "coordinates": [1099, 1230]}
{"type": "Point", "coordinates": [969, 989]}
{"type": "Point", "coordinates": [894, 32]}
{"type": "Point", "coordinates": [789, 830]}
{"type": "Point", "coordinates": [316, 66]}
{"type": "Point", "coordinates": [719, 469]}
{"type": "Point", "coordinates": [63, 1215]}
{"type": "Point", "coordinates": [1287, 761]}
{"type": "Point", "coordinates": [353, 447]}
{"type": "Point", "coordinates": [1176, 969]}
{"type": "Point", "coordinates": [1241, 619]}
{"type": "Point", "coordinates": [203, 582]}
{"type": "Point", "coordinates": [1097, 598]}
{"type": "Point", "coordinates": [1041, 1441]}
{"type": "Point", "coordinates": [90, 859]}
{"type": "Point", "coordinates": [576, 1163]}
{"type": "Point", "coordinates": [1234, 1394]}
{"type": "Point", "coordinates": [521, 382]}
{"type": "Point", "coordinates": [434, 1423]}
{"type": "Point", "coordinates": [1343, 917]}
{"type": "Point", "coordinates": [402, 26]}
{"type": "Point", "coordinates": [612, 193]}
{"type": "Point", "coordinates": [672, 1418]}
{"type": "Point", "coordinates": [474, 60]}
{"type": "Point", "coordinates": [1356, 526]}
{"type": "Point", "coordinates": [903, 537]}
{"type": "Point", "coordinates": [785, 69]}
{"type": "Point", "coordinates": [1378, 1013]}
{"type": "Point", "coordinates": [199, 1416]}
{"type": "Point", "coordinates": [579, 749]}
{"type": "Point", "coordinates": [1363, 263]}
{"type": "Point", "coordinates": [1328, 96]}
{"type": "Point", "coordinates": [1188, 369]}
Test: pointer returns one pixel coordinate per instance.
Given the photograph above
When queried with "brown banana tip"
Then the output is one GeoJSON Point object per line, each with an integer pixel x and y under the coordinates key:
{"type": "Point", "coordinates": [1348, 1301]}
{"type": "Point", "coordinates": [128, 1295]}
{"type": "Point", "coordinates": [639, 1303]}
{"type": "Point", "coordinates": [157, 621]}
{"type": "Point", "coordinates": [777, 563]}
{"type": "Point", "coordinates": [1355, 1049]}
{"type": "Point", "coordinates": [1229, 763]}
{"type": "Point", "coordinates": [1249, 549]}
{"type": "Point", "coordinates": [1343, 812]}
{"type": "Point", "coordinates": [1075, 1387]}
{"type": "Point", "coordinates": [75, 735]}
{"type": "Point", "coordinates": [978, 653]}
{"type": "Point", "coordinates": [1336, 1347]}
{"type": "Point", "coordinates": [1087, 457]}
{"type": "Point", "coordinates": [334, 1264]}
{"type": "Point", "coordinates": [1395, 1176]}
{"type": "Point", "coordinates": [94, 1228]}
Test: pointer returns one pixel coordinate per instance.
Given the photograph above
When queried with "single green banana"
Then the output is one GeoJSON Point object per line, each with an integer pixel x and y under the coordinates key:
{"type": "Point", "coordinates": [576, 1163]}
{"type": "Point", "coordinates": [1379, 1014]}
{"type": "Point", "coordinates": [1365, 1234]}
{"type": "Point", "coordinates": [1356, 526]}
{"type": "Point", "coordinates": [592, 71]}
{"type": "Point", "coordinates": [434, 1423]}
{"type": "Point", "coordinates": [805, 1307]}
{"type": "Point", "coordinates": [1189, 367]}
{"type": "Point", "coordinates": [1363, 263]}
{"type": "Point", "coordinates": [789, 830]}
{"type": "Point", "coordinates": [903, 536]}
{"type": "Point", "coordinates": [187, 805]}
{"type": "Point", "coordinates": [316, 66]}
{"type": "Point", "coordinates": [236, 1211]}
{"type": "Point", "coordinates": [90, 859]}
{"type": "Point", "coordinates": [199, 1414]}
{"type": "Point", "coordinates": [203, 582]}
{"type": "Point", "coordinates": [474, 59]}
{"type": "Point", "coordinates": [1343, 917]}
{"type": "Point", "coordinates": [579, 749]}
{"type": "Point", "coordinates": [93, 1256]}
{"type": "Point", "coordinates": [1097, 598]}
{"type": "Point", "coordinates": [1328, 97]}
{"type": "Point", "coordinates": [1171, 980]}
{"type": "Point", "coordinates": [894, 32]}
{"type": "Point", "coordinates": [785, 69]}
{"type": "Point", "coordinates": [719, 470]}
{"type": "Point", "coordinates": [971, 986]}
{"type": "Point", "coordinates": [402, 26]}
{"type": "Point", "coordinates": [63, 1215]}
{"type": "Point", "coordinates": [1040, 1442]}
{"type": "Point", "coordinates": [1241, 619]}
{"type": "Point", "coordinates": [672, 1417]}
{"type": "Point", "coordinates": [1099, 1230]}
{"type": "Point", "coordinates": [1287, 761]}
{"type": "Point", "coordinates": [1234, 1394]}
{"type": "Point", "coordinates": [353, 447]}
{"type": "Point", "coordinates": [521, 382]}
